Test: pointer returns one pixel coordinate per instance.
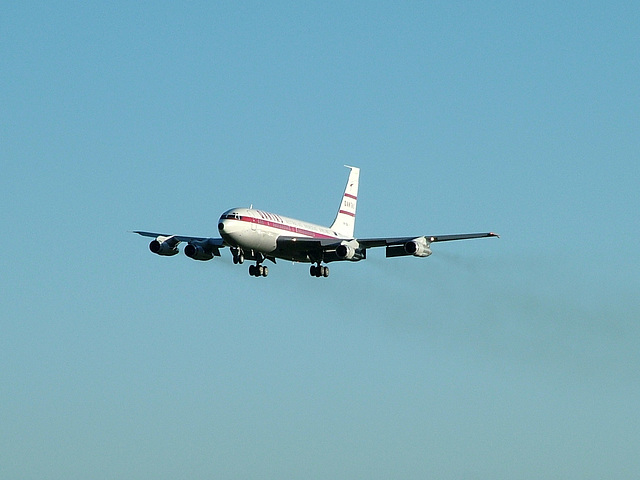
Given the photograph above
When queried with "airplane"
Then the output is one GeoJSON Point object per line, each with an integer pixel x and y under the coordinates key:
{"type": "Point", "coordinates": [258, 235]}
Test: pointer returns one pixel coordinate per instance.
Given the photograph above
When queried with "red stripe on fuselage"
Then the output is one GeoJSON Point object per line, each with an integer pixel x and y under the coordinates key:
{"type": "Point", "coordinates": [348, 195]}
{"type": "Point", "coordinates": [351, 214]}
{"type": "Point", "coordinates": [282, 226]}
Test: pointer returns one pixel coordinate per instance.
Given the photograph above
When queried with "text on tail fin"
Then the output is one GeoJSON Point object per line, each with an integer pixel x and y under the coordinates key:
{"type": "Point", "coordinates": [345, 221]}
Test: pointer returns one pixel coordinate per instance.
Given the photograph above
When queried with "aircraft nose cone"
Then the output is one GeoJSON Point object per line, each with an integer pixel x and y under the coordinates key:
{"type": "Point", "coordinates": [227, 228]}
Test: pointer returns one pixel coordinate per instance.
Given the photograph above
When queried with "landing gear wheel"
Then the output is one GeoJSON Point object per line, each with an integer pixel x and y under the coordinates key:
{"type": "Point", "coordinates": [258, 270]}
{"type": "Point", "coordinates": [319, 271]}
{"type": "Point", "coordinates": [238, 256]}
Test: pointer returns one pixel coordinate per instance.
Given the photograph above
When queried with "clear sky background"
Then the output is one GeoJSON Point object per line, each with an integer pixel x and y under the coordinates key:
{"type": "Point", "coordinates": [515, 358]}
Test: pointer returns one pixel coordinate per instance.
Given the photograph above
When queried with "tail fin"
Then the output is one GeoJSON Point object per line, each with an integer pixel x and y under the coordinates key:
{"type": "Point", "coordinates": [345, 221]}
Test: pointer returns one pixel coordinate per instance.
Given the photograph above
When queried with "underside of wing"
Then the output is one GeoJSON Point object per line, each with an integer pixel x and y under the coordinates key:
{"type": "Point", "coordinates": [304, 242]}
{"type": "Point", "coordinates": [302, 249]}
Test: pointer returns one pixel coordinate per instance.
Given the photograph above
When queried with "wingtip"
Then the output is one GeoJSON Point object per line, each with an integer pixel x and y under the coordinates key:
{"type": "Point", "coordinates": [494, 235]}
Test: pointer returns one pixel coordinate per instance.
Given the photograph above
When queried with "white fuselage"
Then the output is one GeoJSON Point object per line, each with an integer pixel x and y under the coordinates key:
{"type": "Point", "coordinates": [252, 229]}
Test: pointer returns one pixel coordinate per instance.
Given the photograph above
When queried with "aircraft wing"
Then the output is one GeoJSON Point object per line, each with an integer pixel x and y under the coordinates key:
{"type": "Point", "coordinates": [330, 249]}
{"type": "Point", "coordinates": [306, 249]}
{"type": "Point", "coordinates": [181, 238]}
{"type": "Point", "coordinates": [306, 242]}
{"type": "Point", "coordinates": [416, 246]}
{"type": "Point", "coordinates": [199, 248]}
{"type": "Point", "coordinates": [391, 241]}
{"type": "Point", "coordinates": [328, 243]}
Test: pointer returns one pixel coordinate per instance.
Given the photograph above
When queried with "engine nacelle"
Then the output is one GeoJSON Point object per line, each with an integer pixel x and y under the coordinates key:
{"type": "Point", "coordinates": [348, 252]}
{"type": "Point", "coordinates": [418, 247]}
{"type": "Point", "coordinates": [166, 248]}
{"type": "Point", "coordinates": [345, 252]}
{"type": "Point", "coordinates": [198, 252]}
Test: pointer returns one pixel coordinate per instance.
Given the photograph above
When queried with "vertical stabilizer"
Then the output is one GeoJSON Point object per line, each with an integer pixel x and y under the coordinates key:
{"type": "Point", "coordinates": [345, 221]}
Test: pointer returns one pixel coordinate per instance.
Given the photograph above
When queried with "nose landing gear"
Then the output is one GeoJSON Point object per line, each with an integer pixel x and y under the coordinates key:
{"type": "Point", "coordinates": [238, 256]}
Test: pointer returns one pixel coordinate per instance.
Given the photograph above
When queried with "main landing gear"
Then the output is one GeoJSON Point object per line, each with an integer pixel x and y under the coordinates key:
{"type": "Point", "coordinates": [256, 270]}
{"type": "Point", "coordinates": [319, 271]}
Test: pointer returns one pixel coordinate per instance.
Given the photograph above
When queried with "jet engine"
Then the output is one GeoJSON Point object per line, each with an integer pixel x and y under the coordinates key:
{"type": "Point", "coordinates": [198, 252]}
{"type": "Point", "coordinates": [348, 252]}
{"type": "Point", "coordinates": [165, 246]}
{"type": "Point", "coordinates": [418, 247]}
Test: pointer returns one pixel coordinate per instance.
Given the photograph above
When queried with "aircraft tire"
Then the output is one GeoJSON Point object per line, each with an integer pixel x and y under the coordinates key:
{"type": "Point", "coordinates": [258, 270]}
{"type": "Point", "coordinates": [319, 271]}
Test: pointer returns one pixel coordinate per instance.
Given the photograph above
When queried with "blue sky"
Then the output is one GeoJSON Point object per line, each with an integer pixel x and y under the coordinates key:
{"type": "Point", "coordinates": [511, 358]}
